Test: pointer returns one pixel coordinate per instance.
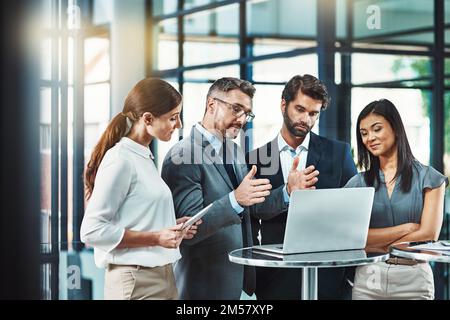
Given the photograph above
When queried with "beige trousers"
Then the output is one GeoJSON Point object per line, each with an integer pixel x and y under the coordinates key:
{"type": "Point", "coordinates": [397, 282]}
{"type": "Point", "coordinates": [140, 283]}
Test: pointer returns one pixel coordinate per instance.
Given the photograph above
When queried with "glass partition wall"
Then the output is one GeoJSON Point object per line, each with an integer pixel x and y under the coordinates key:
{"type": "Point", "coordinates": [362, 49]}
{"type": "Point", "coordinates": [74, 110]}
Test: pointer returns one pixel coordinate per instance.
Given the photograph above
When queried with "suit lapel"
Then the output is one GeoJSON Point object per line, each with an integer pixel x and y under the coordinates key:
{"type": "Point", "coordinates": [271, 170]}
{"type": "Point", "coordinates": [241, 171]}
{"type": "Point", "coordinates": [210, 154]}
{"type": "Point", "coordinates": [315, 151]}
{"type": "Point", "coordinates": [240, 164]}
{"type": "Point", "coordinates": [275, 156]}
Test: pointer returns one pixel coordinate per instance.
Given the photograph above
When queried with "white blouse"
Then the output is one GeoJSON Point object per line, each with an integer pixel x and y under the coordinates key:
{"type": "Point", "coordinates": [128, 194]}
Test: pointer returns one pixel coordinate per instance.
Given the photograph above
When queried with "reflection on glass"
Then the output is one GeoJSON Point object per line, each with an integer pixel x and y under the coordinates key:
{"type": "Point", "coordinates": [263, 46]}
{"type": "Point", "coordinates": [445, 231]}
{"type": "Point", "coordinates": [447, 11]}
{"type": "Point", "coordinates": [46, 59]}
{"type": "Point", "coordinates": [413, 109]}
{"type": "Point", "coordinates": [165, 36]}
{"type": "Point", "coordinates": [160, 7]}
{"type": "Point", "coordinates": [422, 38]}
{"type": "Point", "coordinates": [369, 68]}
{"type": "Point", "coordinates": [337, 68]}
{"type": "Point", "coordinates": [222, 21]}
{"type": "Point", "coordinates": [77, 275]}
{"type": "Point", "coordinates": [447, 71]}
{"type": "Point", "coordinates": [212, 73]}
{"type": "Point", "coordinates": [268, 119]}
{"type": "Point", "coordinates": [70, 61]}
{"type": "Point", "coordinates": [45, 153]}
{"type": "Point", "coordinates": [97, 63]}
{"type": "Point", "coordinates": [394, 16]}
{"type": "Point", "coordinates": [103, 11]}
{"type": "Point", "coordinates": [447, 134]}
{"type": "Point", "coordinates": [284, 18]}
{"type": "Point", "coordinates": [281, 70]}
{"type": "Point", "coordinates": [211, 36]}
{"type": "Point", "coordinates": [70, 141]}
{"type": "Point", "coordinates": [194, 103]}
{"type": "Point", "coordinates": [96, 113]}
{"type": "Point", "coordinates": [189, 4]}
{"type": "Point", "coordinates": [341, 18]}
{"type": "Point", "coordinates": [199, 52]}
{"type": "Point", "coordinates": [46, 14]}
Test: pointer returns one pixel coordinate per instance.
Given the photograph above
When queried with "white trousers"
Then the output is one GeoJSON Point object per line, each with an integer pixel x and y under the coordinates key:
{"type": "Point", "coordinates": [140, 283]}
{"type": "Point", "coordinates": [397, 282]}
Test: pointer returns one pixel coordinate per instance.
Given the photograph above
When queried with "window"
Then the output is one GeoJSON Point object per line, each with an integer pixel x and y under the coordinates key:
{"type": "Point", "coordinates": [165, 34]}
{"type": "Point", "coordinates": [287, 18]}
{"type": "Point", "coordinates": [65, 137]}
{"type": "Point", "coordinates": [211, 36]}
{"type": "Point", "coordinates": [280, 40]}
{"type": "Point", "coordinates": [283, 69]}
{"type": "Point", "coordinates": [373, 68]}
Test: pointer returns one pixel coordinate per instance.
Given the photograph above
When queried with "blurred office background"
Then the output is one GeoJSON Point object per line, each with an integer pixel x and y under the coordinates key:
{"type": "Point", "coordinates": [81, 57]}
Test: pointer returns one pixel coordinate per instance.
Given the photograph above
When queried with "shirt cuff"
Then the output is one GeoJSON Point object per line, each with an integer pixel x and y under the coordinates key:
{"type": "Point", "coordinates": [286, 197]}
{"type": "Point", "coordinates": [106, 239]}
{"type": "Point", "coordinates": [237, 208]}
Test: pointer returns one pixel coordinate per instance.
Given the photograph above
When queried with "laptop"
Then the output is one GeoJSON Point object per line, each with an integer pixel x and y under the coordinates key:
{"type": "Point", "coordinates": [344, 256]}
{"type": "Point", "coordinates": [325, 220]}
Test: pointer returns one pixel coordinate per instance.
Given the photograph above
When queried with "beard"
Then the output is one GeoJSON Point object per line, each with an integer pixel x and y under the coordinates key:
{"type": "Point", "coordinates": [233, 131]}
{"type": "Point", "coordinates": [294, 128]}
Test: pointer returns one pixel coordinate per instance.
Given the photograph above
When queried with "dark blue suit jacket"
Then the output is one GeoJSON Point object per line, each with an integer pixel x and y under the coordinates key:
{"type": "Point", "coordinates": [335, 164]}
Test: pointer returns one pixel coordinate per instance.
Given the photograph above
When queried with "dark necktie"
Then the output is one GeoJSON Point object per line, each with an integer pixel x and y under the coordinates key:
{"type": "Point", "coordinates": [229, 166]}
{"type": "Point", "coordinates": [249, 280]}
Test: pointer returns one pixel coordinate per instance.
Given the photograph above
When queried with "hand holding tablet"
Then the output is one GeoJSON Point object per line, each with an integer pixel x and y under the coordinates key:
{"type": "Point", "coordinates": [196, 217]}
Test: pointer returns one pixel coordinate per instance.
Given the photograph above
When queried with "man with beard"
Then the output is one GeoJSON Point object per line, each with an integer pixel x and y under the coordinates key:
{"type": "Point", "coordinates": [207, 167]}
{"type": "Point", "coordinates": [296, 147]}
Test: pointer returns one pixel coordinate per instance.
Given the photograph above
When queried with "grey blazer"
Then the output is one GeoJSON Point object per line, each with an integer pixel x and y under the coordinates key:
{"type": "Point", "coordinates": [197, 178]}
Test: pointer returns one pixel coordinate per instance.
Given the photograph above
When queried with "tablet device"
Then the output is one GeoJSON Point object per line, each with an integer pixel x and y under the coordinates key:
{"type": "Point", "coordinates": [195, 218]}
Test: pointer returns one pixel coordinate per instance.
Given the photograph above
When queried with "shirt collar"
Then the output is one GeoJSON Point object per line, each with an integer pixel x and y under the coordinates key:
{"type": "Point", "coordinates": [212, 139]}
{"type": "Point", "coordinates": [136, 147]}
{"type": "Point", "coordinates": [283, 145]}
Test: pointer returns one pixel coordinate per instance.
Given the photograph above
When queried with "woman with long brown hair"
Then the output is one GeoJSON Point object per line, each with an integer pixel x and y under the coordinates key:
{"type": "Point", "coordinates": [408, 205]}
{"type": "Point", "coordinates": [130, 219]}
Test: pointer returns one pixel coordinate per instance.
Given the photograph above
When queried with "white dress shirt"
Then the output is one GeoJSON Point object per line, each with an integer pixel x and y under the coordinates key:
{"type": "Point", "coordinates": [287, 155]}
{"type": "Point", "coordinates": [128, 194]}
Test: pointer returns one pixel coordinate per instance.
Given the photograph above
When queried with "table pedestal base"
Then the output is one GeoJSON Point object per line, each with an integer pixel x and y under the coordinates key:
{"type": "Point", "coordinates": [309, 283]}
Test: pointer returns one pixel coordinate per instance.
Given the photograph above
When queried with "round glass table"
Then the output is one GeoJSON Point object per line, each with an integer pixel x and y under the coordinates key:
{"type": "Point", "coordinates": [308, 262]}
{"type": "Point", "coordinates": [410, 251]}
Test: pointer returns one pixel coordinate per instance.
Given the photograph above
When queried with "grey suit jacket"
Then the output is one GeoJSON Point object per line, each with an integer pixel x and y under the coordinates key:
{"type": "Point", "coordinates": [196, 177]}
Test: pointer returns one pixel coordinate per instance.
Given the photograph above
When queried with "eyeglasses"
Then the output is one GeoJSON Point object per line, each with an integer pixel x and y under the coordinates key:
{"type": "Point", "coordinates": [238, 110]}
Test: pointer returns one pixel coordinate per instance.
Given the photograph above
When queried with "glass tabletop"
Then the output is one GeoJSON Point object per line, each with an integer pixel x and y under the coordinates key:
{"type": "Point", "coordinates": [328, 259]}
{"type": "Point", "coordinates": [407, 250]}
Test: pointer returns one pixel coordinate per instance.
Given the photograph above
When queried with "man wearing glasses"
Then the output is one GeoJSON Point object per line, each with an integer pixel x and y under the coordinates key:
{"type": "Point", "coordinates": [207, 167]}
